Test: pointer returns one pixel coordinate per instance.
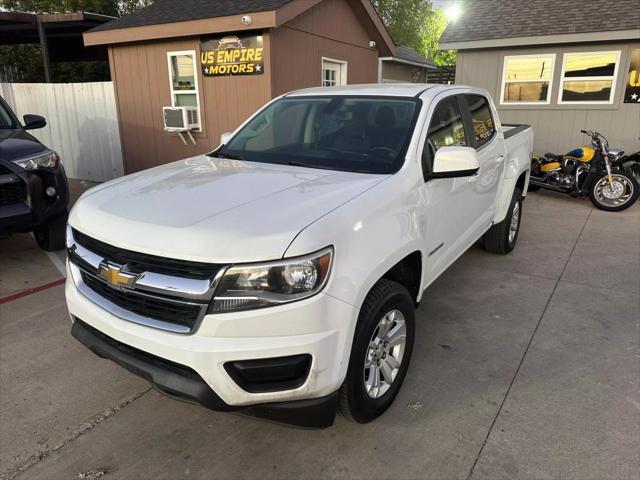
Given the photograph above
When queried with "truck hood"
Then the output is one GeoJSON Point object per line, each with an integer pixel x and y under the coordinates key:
{"type": "Point", "coordinates": [214, 210]}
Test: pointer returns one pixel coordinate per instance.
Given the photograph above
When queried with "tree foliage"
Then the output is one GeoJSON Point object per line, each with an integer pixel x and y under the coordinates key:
{"type": "Point", "coordinates": [436, 23]}
{"type": "Point", "coordinates": [113, 8]}
{"type": "Point", "coordinates": [416, 24]}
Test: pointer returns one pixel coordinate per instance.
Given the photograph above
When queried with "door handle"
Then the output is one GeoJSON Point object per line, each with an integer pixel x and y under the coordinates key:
{"type": "Point", "coordinates": [499, 159]}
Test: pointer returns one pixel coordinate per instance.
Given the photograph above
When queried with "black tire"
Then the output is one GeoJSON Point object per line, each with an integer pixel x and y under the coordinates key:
{"type": "Point", "coordinates": [633, 185]}
{"type": "Point", "coordinates": [497, 240]}
{"type": "Point", "coordinates": [384, 297]}
{"type": "Point", "coordinates": [51, 235]}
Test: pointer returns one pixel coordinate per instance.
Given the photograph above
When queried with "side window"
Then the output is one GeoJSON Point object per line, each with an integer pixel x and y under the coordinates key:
{"type": "Point", "coordinates": [483, 126]}
{"type": "Point", "coordinates": [445, 129]}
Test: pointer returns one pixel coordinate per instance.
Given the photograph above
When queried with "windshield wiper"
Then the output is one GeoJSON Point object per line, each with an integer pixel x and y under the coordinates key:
{"type": "Point", "coordinates": [230, 156]}
{"type": "Point", "coordinates": [293, 163]}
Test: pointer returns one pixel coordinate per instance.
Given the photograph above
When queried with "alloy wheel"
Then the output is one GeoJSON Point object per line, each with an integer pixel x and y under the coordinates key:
{"type": "Point", "coordinates": [384, 355]}
{"type": "Point", "coordinates": [614, 195]}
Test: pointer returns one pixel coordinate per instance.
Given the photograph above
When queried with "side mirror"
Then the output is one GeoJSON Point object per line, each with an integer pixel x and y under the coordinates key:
{"type": "Point", "coordinates": [225, 137]}
{"type": "Point", "coordinates": [452, 162]}
{"type": "Point", "coordinates": [32, 122]}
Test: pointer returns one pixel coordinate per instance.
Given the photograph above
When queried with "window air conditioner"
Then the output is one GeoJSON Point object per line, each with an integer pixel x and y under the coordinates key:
{"type": "Point", "coordinates": [180, 119]}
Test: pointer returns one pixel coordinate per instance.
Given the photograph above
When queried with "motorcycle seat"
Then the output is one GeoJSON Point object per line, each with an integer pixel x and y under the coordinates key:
{"type": "Point", "coordinates": [553, 156]}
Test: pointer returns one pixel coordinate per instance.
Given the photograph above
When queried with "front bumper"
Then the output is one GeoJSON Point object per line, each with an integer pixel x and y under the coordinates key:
{"type": "Point", "coordinates": [36, 207]}
{"type": "Point", "coordinates": [320, 326]}
{"type": "Point", "coordinates": [183, 383]}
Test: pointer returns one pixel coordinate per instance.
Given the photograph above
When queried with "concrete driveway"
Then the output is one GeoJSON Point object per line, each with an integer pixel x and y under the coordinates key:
{"type": "Point", "coordinates": [525, 366]}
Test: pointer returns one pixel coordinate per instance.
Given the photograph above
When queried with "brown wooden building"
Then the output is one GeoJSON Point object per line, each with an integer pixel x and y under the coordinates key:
{"type": "Point", "coordinates": [227, 59]}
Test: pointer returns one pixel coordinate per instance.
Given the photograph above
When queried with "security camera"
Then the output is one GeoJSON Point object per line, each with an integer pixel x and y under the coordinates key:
{"type": "Point", "coordinates": [372, 44]}
{"type": "Point", "coordinates": [246, 20]}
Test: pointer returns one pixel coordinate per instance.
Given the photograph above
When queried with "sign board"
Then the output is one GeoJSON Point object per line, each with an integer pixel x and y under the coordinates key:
{"type": "Point", "coordinates": [632, 92]}
{"type": "Point", "coordinates": [232, 55]}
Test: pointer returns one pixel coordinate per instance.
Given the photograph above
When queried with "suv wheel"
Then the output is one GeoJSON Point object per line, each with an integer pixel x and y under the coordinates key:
{"type": "Point", "coordinates": [502, 237]}
{"type": "Point", "coordinates": [381, 351]}
{"type": "Point", "coordinates": [51, 235]}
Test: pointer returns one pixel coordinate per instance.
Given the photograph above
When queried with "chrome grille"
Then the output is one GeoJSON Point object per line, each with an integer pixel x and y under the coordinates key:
{"type": "Point", "coordinates": [167, 294]}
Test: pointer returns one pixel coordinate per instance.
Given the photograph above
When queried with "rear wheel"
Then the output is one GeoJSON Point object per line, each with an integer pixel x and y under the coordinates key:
{"type": "Point", "coordinates": [381, 351]}
{"type": "Point", "coordinates": [51, 234]}
{"type": "Point", "coordinates": [502, 237]}
{"type": "Point", "coordinates": [618, 195]}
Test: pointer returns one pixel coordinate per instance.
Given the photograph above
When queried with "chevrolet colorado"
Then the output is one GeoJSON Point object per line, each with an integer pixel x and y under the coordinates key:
{"type": "Point", "coordinates": [33, 186]}
{"type": "Point", "coordinates": [279, 274]}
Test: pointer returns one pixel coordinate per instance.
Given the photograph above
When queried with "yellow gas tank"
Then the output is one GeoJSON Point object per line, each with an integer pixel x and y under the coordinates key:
{"type": "Point", "coordinates": [549, 167]}
{"type": "Point", "coordinates": [583, 154]}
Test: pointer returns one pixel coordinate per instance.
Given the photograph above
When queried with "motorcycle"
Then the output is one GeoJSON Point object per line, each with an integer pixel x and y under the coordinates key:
{"type": "Point", "coordinates": [601, 173]}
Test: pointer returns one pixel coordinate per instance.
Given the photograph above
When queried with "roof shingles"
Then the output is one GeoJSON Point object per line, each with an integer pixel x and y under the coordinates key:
{"type": "Point", "coordinates": [170, 11]}
{"type": "Point", "coordinates": [408, 53]}
{"type": "Point", "coordinates": [495, 19]}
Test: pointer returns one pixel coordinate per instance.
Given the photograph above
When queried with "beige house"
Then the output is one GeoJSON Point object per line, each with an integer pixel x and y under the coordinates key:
{"type": "Point", "coordinates": [559, 66]}
{"type": "Point", "coordinates": [406, 65]}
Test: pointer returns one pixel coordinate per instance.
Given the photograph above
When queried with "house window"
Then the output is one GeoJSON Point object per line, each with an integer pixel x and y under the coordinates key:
{"type": "Point", "coordinates": [589, 77]}
{"type": "Point", "coordinates": [334, 72]}
{"type": "Point", "coordinates": [527, 79]}
{"type": "Point", "coordinates": [183, 79]}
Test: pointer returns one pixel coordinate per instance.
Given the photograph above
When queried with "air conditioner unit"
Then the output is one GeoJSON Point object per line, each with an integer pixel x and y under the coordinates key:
{"type": "Point", "coordinates": [180, 119]}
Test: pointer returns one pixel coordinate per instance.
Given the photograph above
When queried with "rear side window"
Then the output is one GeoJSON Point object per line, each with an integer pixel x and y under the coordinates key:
{"type": "Point", "coordinates": [483, 126]}
{"type": "Point", "coordinates": [445, 129]}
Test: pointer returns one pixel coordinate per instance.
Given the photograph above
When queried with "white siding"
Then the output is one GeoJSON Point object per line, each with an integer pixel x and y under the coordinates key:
{"type": "Point", "coordinates": [82, 124]}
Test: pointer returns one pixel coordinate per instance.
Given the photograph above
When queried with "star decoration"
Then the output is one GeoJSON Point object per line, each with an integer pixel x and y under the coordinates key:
{"type": "Point", "coordinates": [634, 96]}
{"type": "Point", "coordinates": [258, 68]}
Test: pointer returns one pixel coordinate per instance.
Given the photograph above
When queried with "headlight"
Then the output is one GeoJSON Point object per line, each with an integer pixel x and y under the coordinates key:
{"type": "Point", "coordinates": [246, 287]}
{"type": "Point", "coordinates": [48, 159]}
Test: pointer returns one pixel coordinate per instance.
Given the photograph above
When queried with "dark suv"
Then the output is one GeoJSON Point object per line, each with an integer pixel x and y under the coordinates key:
{"type": "Point", "coordinates": [34, 193]}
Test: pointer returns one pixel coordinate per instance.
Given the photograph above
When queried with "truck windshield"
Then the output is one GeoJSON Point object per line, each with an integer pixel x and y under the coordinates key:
{"type": "Point", "coordinates": [6, 120]}
{"type": "Point", "coordinates": [354, 134]}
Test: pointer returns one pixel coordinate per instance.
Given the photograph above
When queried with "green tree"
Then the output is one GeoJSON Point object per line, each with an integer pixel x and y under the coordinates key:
{"type": "Point", "coordinates": [406, 20]}
{"type": "Point", "coordinates": [416, 24]}
{"type": "Point", "coordinates": [105, 7]}
{"type": "Point", "coordinates": [436, 23]}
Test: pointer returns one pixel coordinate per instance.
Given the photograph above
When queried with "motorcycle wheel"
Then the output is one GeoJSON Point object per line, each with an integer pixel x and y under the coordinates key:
{"type": "Point", "coordinates": [623, 194]}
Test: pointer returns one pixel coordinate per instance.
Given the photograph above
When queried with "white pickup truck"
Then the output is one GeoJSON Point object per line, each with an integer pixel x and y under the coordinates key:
{"type": "Point", "coordinates": [279, 274]}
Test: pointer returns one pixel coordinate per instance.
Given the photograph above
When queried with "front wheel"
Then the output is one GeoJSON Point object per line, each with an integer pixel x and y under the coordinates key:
{"type": "Point", "coordinates": [618, 195]}
{"type": "Point", "coordinates": [51, 235]}
{"type": "Point", "coordinates": [381, 351]}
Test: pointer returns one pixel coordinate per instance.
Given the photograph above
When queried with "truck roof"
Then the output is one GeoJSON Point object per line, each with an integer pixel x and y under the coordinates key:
{"type": "Point", "coordinates": [386, 89]}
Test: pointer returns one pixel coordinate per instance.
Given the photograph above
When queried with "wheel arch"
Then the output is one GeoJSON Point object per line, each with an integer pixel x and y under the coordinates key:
{"type": "Point", "coordinates": [408, 273]}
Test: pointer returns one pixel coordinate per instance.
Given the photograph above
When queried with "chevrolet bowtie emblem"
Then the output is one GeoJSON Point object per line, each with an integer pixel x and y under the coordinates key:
{"type": "Point", "coordinates": [115, 277]}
